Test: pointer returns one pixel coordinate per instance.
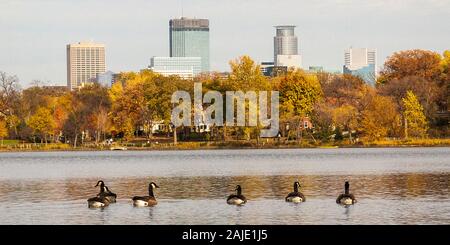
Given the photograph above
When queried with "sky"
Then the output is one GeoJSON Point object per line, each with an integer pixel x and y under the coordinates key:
{"type": "Point", "coordinates": [34, 34]}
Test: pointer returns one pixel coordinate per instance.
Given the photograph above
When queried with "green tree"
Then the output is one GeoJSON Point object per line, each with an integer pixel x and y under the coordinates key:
{"type": "Point", "coordinates": [415, 122]}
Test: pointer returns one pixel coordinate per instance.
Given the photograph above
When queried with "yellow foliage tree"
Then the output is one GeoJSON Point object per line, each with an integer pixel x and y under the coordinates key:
{"type": "Point", "coordinates": [299, 92]}
{"type": "Point", "coordinates": [415, 122]}
{"type": "Point", "coordinates": [42, 123]}
{"type": "Point", "coordinates": [346, 117]}
{"type": "Point", "coordinates": [379, 119]}
{"type": "Point", "coordinates": [3, 130]}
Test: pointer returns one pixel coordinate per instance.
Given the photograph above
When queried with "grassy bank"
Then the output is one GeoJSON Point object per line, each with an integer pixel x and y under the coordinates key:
{"type": "Point", "coordinates": [410, 142]}
{"type": "Point", "coordinates": [12, 146]}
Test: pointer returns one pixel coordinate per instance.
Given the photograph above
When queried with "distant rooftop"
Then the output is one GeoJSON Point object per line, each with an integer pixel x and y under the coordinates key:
{"type": "Point", "coordinates": [185, 22]}
{"type": "Point", "coordinates": [285, 26]}
{"type": "Point", "coordinates": [87, 44]}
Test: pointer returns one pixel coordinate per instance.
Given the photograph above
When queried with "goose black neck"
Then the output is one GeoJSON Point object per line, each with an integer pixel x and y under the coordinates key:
{"type": "Point", "coordinates": [150, 191]}
{"type": "Point", "coordinates": [102, 187]}
{"type": "Point", "coordinates": [295, 187]}
{"type": "Point", "coordinates": [347, 188]}
{"type": "Point", "coordinates": [238, 191]}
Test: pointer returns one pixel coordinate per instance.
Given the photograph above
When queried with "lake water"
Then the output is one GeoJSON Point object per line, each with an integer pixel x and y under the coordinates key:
{"type": "Point", "coordinates": [392, 185]}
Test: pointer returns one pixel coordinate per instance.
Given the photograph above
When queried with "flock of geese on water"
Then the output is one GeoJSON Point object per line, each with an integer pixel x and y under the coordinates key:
{"type": "Point", "coordinates": [105, 197]}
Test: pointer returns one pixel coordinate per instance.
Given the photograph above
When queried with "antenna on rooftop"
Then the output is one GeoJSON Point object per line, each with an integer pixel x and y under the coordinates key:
{"type": "Point", "coordinates": [182, 10]}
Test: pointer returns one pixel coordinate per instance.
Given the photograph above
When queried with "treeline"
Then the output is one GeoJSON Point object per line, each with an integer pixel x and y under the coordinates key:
{"type": "Point", "coordinates": [410, 100]}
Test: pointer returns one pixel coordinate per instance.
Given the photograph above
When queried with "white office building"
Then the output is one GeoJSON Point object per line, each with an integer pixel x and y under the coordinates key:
{"type": "Point", "coordinates": [356, 58]}
{"type": "Point", "coordinates": [184, 67]}
{"type": "Point", "coordinates": [361, 62]}
{"type": "Point", "coordinates": [85, 60]}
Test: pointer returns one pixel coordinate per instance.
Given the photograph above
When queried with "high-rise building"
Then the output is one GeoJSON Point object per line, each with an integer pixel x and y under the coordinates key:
{"type": "Point", "coordinates": [184, 67]}
{"type": "Point", "coordinates": [285, 46]}
{"type": "Point", "coordinates": [361, 62]}
{"type": "Point", "coordinates": [85, 60]}
{"type": "Point", "coordinates": [190, 38]}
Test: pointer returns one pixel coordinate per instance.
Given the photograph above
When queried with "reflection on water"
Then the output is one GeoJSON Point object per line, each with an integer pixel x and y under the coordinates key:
{"type": "Point", "coordinates": [393, 186]}
{"type": "Point", "coordinates": [395, 198]}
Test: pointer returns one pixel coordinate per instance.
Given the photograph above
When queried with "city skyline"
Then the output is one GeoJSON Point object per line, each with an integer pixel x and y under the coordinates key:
{"type": "Point", "coordinates": [32, 49]}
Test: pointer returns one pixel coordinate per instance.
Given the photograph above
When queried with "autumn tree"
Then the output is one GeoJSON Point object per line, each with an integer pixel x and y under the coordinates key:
{"type": "Point", "coordinates": [420, 63]}
{"type": "Point", "coordinates": [9, 93]}
{"type": "Point", "coordinates": [298, 94]}
{"type": "Point", "coordinates": [346, 117]}
{"type": "Point", "coordinates": [379, 119]}
{"type": "Point", "coordinates": [343, 89]}
{"type": "Point", "coordinates": [322, 117]}
{"type": "Point", "coordinates": [42, 123]}
{"type": "Point", "coordinates": [9, 99]}
{"type": "Point", "coordinates": [94, 100]}
{"type": "Point", "coordinates": [245, 76]}
{"type": "Point", "coordinates": [159, 97]}
{"type": "Point", "coordinates": [131, 102]}
{"type": "Point", "coordinates": [3, 130]}
{"type": "Point", "coordinates": [427, 92]}
{"type": "Point", "coordinates": [445, 77]}
{"type": "Point", "coordinates": [74, 123]}
{"type": "Point", "coordinates": [426, 74]}
{"type": "Point", "coordinates": [415, 123]}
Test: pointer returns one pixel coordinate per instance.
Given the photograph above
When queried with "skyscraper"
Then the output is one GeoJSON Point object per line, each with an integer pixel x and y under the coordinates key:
{"type": "Point", "coordinates": [190, 38]}
{"type": "Point", "coordinates": [361, 62]}
{"type": "Point", "coordinates": [85, 60]}
{"type": "Point", "coordinates": [285, 47]}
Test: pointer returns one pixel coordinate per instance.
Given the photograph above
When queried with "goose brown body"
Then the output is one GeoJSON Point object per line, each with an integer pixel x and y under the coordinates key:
{"type": "Point", "coordinates": [145, 201]}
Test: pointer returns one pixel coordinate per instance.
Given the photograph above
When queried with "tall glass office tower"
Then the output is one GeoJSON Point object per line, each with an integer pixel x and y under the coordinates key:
{"type": "Point", "coordinates": [285, 47]}
{"type": "Point", "coordinates": [190, 38]}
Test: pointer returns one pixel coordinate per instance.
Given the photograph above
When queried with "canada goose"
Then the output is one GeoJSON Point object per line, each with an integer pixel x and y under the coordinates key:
{"type": "Point", "coordinates": [238, 198]}
{"type": "Point", "coordinates": [295, 196]}
{"type": "Point", "coordinates": [105, 192]}
{"type": "Point", "coordinates": [97, 202]}
{"type": "Point", "coordinates": [108, 195]}
{"type": "Point", "coordinates": [346, 198]}
{"type": "Point", "coordinates": [150, 200]}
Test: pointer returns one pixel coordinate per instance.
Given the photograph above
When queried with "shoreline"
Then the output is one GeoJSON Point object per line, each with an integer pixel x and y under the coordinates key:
{"type": "Point", "coordinates": [189, 147]}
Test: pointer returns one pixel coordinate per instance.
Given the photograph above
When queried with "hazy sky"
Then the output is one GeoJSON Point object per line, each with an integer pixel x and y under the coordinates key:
{"type": "Point", "coordinates": [34, 34]}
